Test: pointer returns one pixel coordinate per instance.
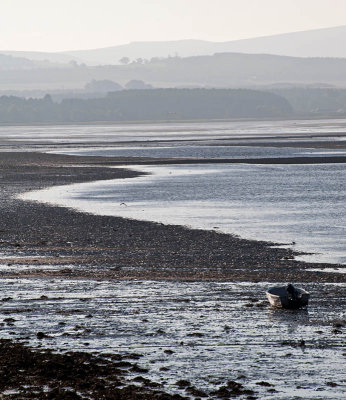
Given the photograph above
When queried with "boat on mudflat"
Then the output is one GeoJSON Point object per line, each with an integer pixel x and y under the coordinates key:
{"type": "Point", "coordinates": [288, 297]}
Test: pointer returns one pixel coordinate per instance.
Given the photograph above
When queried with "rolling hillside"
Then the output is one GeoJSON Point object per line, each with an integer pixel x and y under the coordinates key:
{"type": "Point", "coordinates": [327, 42]}
{"type": "Point", "coordinates": [228, 70]}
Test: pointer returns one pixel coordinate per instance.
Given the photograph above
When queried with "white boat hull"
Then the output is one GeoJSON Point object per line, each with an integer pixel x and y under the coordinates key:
{"type": "Point", "coordinates": [279, 297]}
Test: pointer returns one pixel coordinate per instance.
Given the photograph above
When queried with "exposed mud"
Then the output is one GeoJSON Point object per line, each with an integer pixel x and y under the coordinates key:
{"type": "Point", "coordinates": [32, 374]}
{"type": "Point", "coordinates": [117, 248]}
{"type": "Point", "coordinates": [69, 283]}
{"type": "Point", "coordinates": [192, 337]}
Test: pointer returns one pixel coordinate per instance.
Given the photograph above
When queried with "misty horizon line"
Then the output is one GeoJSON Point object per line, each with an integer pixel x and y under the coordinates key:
{"type": "Point", "coordinates": [173, 41]}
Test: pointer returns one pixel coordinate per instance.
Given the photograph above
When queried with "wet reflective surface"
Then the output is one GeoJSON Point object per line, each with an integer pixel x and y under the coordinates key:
{"type": "Point", "coordinates": [301, 205]}
{"type": "Point", "coordinates": [290, 130]}
{"type": "Point", "coordinates": [205, 332]}
{"type": "Point", "coordinates": [201, 151]}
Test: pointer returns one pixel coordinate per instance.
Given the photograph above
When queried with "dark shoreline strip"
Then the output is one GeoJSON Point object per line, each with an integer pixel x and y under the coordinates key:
{"type": "Point", "coordinates": [49, 159]}
{"type": "Point", "coordinates": [260, 161]}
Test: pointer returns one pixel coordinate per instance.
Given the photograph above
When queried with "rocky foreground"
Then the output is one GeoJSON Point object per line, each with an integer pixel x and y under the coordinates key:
{"type": "Point", "coordinates": [33, 374]}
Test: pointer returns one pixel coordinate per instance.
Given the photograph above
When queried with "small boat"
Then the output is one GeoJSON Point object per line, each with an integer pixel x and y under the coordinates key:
{"type": "Point", "coordinates": [287, 297]}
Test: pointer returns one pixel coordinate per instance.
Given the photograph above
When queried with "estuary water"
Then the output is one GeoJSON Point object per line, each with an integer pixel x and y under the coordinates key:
{"type": "Point", "coordinates": [216, 132]}
{"type": "Point", "coordinates": [298, 205]}
{"type": "Point", "coordinates": [302, 206]}
{"type": "Point", "coordinates": [206, 332]}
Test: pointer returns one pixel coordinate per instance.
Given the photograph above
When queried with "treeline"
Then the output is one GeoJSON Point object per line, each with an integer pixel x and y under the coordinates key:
{"type": "Point", "coordinates": [140, 105]}
{"type": "Point", "coordinates": [315, 101]}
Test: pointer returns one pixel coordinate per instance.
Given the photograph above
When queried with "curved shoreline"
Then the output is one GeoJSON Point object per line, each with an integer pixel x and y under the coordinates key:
{"type": "Point", "coordinates": [131, 198]}
{"type": "Point", "coordinates": [116, 248]}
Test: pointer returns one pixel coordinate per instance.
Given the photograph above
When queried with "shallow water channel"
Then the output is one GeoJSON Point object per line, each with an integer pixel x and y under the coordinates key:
{"type": "Point", "coordinates": [299, 205]}
{"type": "Point", "coordinates": [205, 332]}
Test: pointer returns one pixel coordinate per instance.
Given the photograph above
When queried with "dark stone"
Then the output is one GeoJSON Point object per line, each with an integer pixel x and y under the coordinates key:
{"type": "Point", "coordinates": [196, 334]}
{"type": "Point", "coordinates": [41, 335]}
{"type": "Point", "coordinates": [263, 383]}
{"type": "Point", "coordinates": [183, 383]}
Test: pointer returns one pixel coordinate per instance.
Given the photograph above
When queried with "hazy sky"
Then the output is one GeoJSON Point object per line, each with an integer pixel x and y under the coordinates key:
{"type": "Point", "coordinates": [54, 25]}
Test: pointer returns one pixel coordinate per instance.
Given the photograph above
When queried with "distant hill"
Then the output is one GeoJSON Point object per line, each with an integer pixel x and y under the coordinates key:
{"type": "Point", "coordinates": [328, 42]}
{"type": "Point", "coordinates": [146, 50]}
{"type": "Point", "coordinates": [15, 63]}
{"type": "Point", "coordinates": [59, 58]}
{"type": "Point", "coordinates": [228, 70]}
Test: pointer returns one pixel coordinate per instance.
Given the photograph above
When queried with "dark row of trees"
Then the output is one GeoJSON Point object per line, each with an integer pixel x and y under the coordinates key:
{"type": "Point", "coordinates": [315, 101]}
{"type": "Point", "coordinates": [139, 105]}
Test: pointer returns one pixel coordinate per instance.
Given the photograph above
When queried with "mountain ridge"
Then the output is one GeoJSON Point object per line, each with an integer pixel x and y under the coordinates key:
{"type": "Point", "coordinates": [222, 70]}
{"type": "Point", "coordinates": [322, 42]}
{"type": "Point", "coordinates": [325, 42]}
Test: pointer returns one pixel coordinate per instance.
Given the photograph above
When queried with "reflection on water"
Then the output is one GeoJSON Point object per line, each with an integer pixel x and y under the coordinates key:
{"type": "Point", "coordinates": [301, 205]}
{"type": "Point", "coordinates": [201, 150]}
{"type": "Point", "coordinates": [211, 332]}
{"type": "Point", "coordinates": [200, 131]}
{"type": "Point", "coordinates": [292, 319]}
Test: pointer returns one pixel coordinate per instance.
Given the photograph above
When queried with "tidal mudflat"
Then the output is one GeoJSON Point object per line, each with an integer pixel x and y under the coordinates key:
{"type": "Point", "coordinates": [201, 333]}
{"type": "Point", "coordinates": [187, 304]}
{"type": "Point", "coordinates": [302, 205]}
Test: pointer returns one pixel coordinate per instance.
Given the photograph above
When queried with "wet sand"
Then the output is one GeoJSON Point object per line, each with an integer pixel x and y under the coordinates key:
{"type": "Point", "coordinates": [190, 338]}
{"type": "Point", "coordinates": [36, 234]}
{"type": "Point", "coordinates": [41, 245]}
